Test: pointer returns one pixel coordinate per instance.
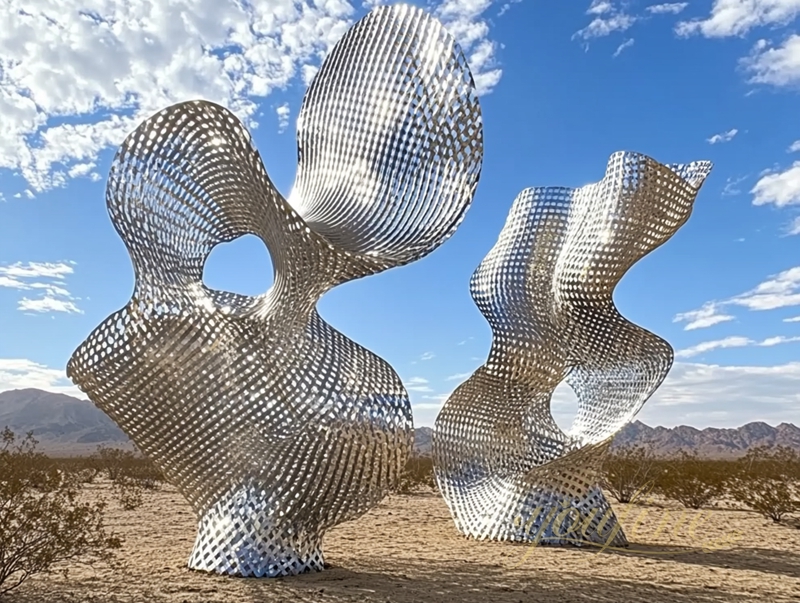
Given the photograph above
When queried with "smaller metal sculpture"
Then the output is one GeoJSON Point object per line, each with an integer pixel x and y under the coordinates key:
{"type": "Point", "coordinates": [274, 425]}
{"type": "Point", "coordinates": [504, 467]}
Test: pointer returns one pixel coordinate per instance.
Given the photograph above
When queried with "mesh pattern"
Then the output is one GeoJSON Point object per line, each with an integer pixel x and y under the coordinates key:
{"type": "Point", "coordinates": [274, 425]}
{"type": "Point", "coordinates": [504, 467]}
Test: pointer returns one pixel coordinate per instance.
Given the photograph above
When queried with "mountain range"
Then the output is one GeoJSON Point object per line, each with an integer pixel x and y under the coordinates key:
{"type": "Point", "coordinates": [67, 426]}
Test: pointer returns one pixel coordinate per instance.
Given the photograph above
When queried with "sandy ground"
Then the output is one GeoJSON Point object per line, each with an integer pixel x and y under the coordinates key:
{"type": "Point", "coordinates": [408, 550]}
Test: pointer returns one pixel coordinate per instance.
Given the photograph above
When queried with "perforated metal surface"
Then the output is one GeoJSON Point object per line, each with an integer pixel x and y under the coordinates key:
{"type": "Point", "coordinates": [504, 467]}
{"type": "Point", "coordinates": [273, 424]}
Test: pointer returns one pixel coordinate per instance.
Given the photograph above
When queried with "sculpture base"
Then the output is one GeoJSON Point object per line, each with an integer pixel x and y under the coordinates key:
{"type": "Point", "coordinates": [548, 518]}
{"type": "Point", "coordinates": [240, 538]}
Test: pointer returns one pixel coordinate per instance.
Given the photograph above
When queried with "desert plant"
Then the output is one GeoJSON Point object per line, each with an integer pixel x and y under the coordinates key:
{"type": "Point", "coordinates": [129, 492]}
{"type": "Point", "coordinates": [628, 471]}
{"type": "Point", "coordinates": [114, 461]}
{"type": "Point", "coordinates": [42, 522]}
{"type": "Point", "coordinates": [417, 475]}
{"type": "Point", "coordinates": [690, 480]}
{"type": "Point", "coordinates": [767, 480]}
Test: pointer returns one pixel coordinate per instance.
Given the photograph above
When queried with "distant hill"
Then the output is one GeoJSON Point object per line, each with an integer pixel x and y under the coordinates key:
{"type": "Point", "coordinates": [710, 442]}
{"type": "Point", "coordinates": [61, 424]}
{"type": "Point", "coordinates": [64, 425]}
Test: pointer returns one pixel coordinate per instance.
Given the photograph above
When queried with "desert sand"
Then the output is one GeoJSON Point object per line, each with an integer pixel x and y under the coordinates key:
{"type": "Point", "coordinates": [407, 550]}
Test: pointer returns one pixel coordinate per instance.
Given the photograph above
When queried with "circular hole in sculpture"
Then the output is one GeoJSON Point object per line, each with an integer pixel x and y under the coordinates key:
{"type": "Point", "coordinates": [241, 266]}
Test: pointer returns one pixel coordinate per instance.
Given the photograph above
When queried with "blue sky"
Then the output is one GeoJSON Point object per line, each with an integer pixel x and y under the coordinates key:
{"type": "Point", "coordinates": [563, 85]}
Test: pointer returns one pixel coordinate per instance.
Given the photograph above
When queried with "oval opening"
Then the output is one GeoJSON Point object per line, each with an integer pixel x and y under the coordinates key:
{"type": "Point", "coordinates": [241, 266]}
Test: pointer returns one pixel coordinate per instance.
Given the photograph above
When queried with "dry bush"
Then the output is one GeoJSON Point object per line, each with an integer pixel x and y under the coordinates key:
{"type": "Point", "coordinates": [692, 481]}
{"type": "Point", "coordinates": [628, 472]}
{"type": "Point", "coordinates": [767, 480]}
{"type": "Point", "coordinates": [41, 520]}
{"type": "Point", "coordinates": [129, 492]}
{"type": "Point", "coordinates": [417, 475]}
{"type": "Point", "coordinates": [132, 475]}
{"type": "Point", "coordinates": [114, 461]}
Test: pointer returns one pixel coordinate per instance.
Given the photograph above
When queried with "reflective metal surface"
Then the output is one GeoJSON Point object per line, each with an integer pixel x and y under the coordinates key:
{"type": "Point", "coordinates": [504, 467]}
{"type": "Point", "coordinates": [274, 425]}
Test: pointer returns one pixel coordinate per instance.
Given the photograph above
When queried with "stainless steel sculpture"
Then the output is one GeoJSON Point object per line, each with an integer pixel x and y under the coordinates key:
{"type": "Point", "coordinates": [274, 425]}
{"type": "Point", "coordinates": [504, 467]}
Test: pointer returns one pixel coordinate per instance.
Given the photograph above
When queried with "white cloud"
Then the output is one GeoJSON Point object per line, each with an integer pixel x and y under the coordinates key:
{"type": "Point", "coordinates": [18, 373]}
{"type": "Point", "coordinates": [602, 26]}
{"type": "Point", "coordinates": [706, 316]}
{"type": "Point", "coordinates": [737, 17]}
{"type": "Point", "coordinates": [792, 319]}
{"type": "Point", "coordinates": [776, 66]}
{"type": "Point", "coordinates": [427, 356]}
{"type": "Point", "coordinates": [707, 346]}
{"type": "Point", "coordinates": [780, 188]}
{"type": "Point", "coordinates": [793, 228]}
{"type": "Point", "coordinates": [669, 8]}
{"type": "Point", "coordinates": [46, 278]}
{"type": "Point", "coordinates": [778, 291]}
{"type": "Point", "coordinates": [732, 342]}
{"type": "Point", "coordinates": [107, 65]}
{"type": "Point", "coordinates": [723, 137]}
{"type": "Point", "coordinates": [702, 395]}
{"type": "Point", "coordinates": [464, 19]}
{"type": "Point", "coordinates": [626, 44]}
{"type": "Point", "coordinates": [794, 147]}
{"type": "Point", "coordinates": [283, 117]}
{"type": "Point", "coordinates": [418, 384]}
{"type": "Point", "coordinates": [506, 7]}
{"type": "Point", "coordinates": [600, 7]}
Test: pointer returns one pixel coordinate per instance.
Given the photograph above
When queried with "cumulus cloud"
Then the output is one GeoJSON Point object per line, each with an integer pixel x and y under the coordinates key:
{"type": "Point", "coordinates": [723, 136]}
{"type": "Point", "coordinates": [46, 280]}
{"type": "Point", "coordinates": [19, 373]}
{"type": "Point", "coordinates": [669, 8]}
{"type": "Point", "coordinates": [607, 20]}
{"type": "Point", "coordinates": [780, 188]}
{"type": "Point", "coordinates": [77, 75]}
{"type": "Point", "coordinates": [776, 66]}
{"type": "Point", "coordinates": [427, 356]}
{"type": "Point", "coordinates": [737, 17]}
{"type": "Point", "coordinates": [622, 47]}
{"type": "Point", "coordinates": [794, 147]}
{"type": "Point", "coordinates": [706, 316]}
{"type": "Point", "coordinates": [465, 19]}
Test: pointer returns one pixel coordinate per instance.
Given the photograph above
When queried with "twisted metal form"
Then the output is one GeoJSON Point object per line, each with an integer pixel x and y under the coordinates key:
{"type": "Point", "coordinates": [274, 425]}
{"type": "Point", "coordinates": [504, 467]}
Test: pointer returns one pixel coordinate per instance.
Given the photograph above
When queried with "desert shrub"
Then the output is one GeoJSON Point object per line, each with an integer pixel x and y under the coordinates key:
{"type": "Point", "coordinates": [417, 475]}
{"type": "Point", "coordinates": [767, 480]}
{"type": "Point", "coordinates": [628, 471]}
{"type": "Point", "coordinates": [129, 492]}
{"type": "Point", "coordinates": [131, 474]}
{"type": "Point", "coordinates": [692, 481]}
{"type": "Point", "coordinates": [114, 461]}
{"type": "Point", "coordinates": [42, 522]}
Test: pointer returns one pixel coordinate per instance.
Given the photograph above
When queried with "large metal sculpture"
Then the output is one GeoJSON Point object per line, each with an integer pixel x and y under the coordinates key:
{"type": "Point", "coordinates": [274, 425]}
{"type": "Point", "coordinates": [504, 467]}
